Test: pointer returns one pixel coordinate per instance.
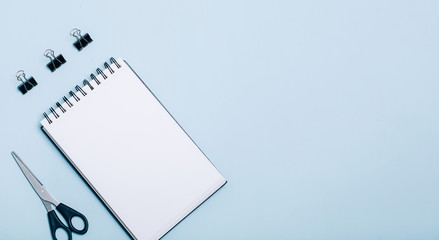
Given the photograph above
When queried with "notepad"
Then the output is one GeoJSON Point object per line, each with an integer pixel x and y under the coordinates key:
{"type": "Point", "coordinates": [131, 152]}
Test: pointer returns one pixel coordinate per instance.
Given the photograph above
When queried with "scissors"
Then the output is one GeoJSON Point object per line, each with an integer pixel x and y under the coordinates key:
{"type": "Point", "coordinates": [48, 200]}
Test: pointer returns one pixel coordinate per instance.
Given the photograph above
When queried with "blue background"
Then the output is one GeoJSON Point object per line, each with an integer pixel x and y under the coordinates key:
{"type": "Point", "coordinates": [322, 115]}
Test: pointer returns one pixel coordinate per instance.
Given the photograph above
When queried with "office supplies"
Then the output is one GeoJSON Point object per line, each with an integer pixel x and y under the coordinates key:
{"type": "Point", "coordinates": [55, 62]}
{"type": "Point", "coordinates": [131, 152]}
{"type": "Point", "coordinates": [48, 200]}
{"type": "Point", "coordinates": [81, 41]}
{"type": "Point", "coordinates": [26, 84]}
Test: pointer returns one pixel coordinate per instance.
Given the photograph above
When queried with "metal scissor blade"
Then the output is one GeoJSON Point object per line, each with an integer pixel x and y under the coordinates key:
{"type": "Point", "coordinates": [33, 180]}
{"type": "Point", "coordinates": [45, 196]}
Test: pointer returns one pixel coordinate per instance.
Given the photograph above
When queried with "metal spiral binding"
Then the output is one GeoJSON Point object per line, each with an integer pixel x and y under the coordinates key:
{"type": "Point", "coordinates": [99, 71]}
{"type": "Point", "coordinates": [87, 83]}
{"type": "Point", "coordinates": [92, 76]}
{"type": "Point", "coordinates": [60, 107]}
{"type": "Point", "coordinates": [67, 101]}
{"type": "Point", "coordinates": [112, 60]}
{"type": "Point", "coordinates": [47, 118]}
{"type": "Point", "coordinates": [108, 67]}
{"type": "Point", "coordinates": [72, 94]}
{"type": "Point", "coordinates": [80, 90]}
{"type": "Point", "coordinates": [54, 113]}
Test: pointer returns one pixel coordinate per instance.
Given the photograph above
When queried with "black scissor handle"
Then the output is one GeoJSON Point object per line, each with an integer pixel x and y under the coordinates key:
{"type": "Point", "coordinates": [55, 224]}
{"type": "Point", "coordinates": [69, 213]}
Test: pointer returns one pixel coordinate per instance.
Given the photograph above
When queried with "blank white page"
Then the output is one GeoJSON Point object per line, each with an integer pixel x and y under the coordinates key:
{"type": "Point", "coordinates": [133, 154]}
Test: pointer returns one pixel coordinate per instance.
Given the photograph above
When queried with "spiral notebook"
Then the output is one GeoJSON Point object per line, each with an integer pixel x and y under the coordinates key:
{"type": "Point", "coordinates": [131, 152]}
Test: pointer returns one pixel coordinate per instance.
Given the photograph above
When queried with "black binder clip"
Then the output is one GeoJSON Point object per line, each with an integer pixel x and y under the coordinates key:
{"type": "Point", "coordinates": [55, 62]}
{"type": "Point", "coordinates": [27, 84]}
{"type": "Point", "coordinates": [81, 41]}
